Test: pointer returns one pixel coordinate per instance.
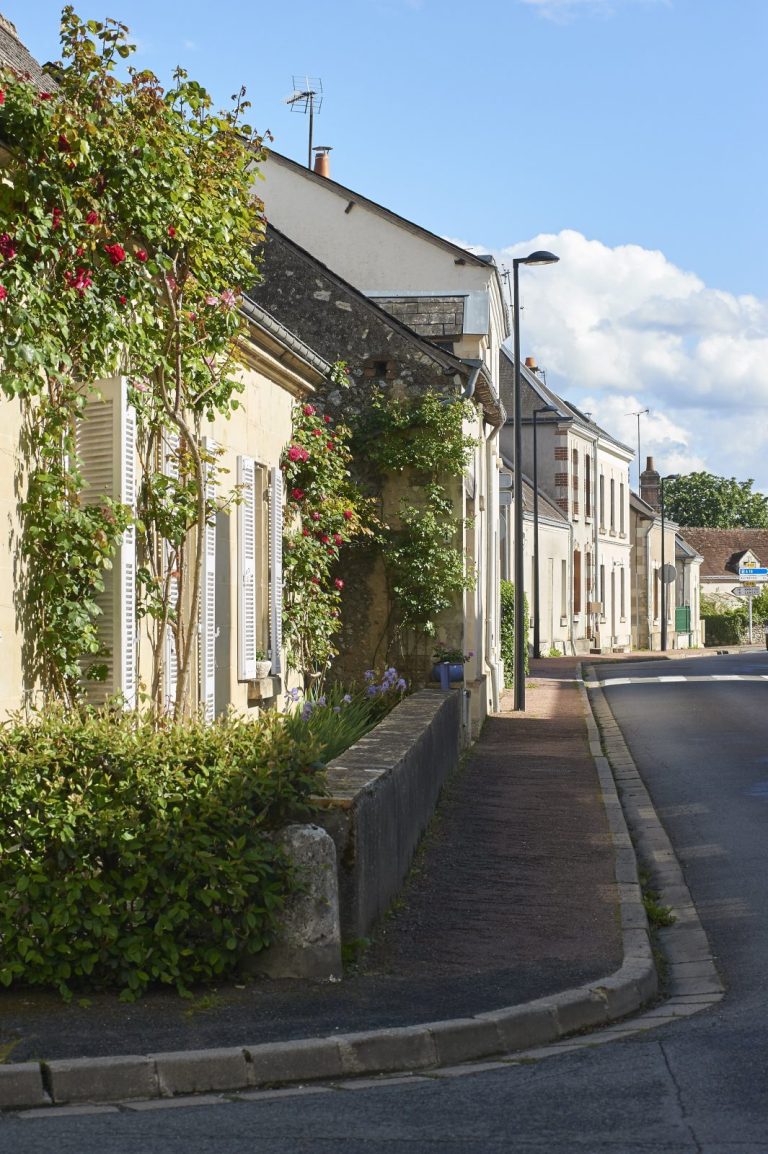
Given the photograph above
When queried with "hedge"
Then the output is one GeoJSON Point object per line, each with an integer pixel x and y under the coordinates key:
{"type": "Point", "coordinates": [130, 856]}
{"type": "Point", "coordinates": [507, 631]}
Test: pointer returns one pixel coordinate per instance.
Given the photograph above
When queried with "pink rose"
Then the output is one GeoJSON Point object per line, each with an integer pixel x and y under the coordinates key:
{"type": "Point", "coordinates": [339, 584]}
{"type": "Point", "coordinates": [308, 410]}
{"type": "Point", "coordinates": [3, 289]}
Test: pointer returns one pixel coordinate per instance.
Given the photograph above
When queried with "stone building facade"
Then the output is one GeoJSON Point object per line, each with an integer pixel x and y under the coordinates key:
{"type": "Point", "coordinates": [383, 354]}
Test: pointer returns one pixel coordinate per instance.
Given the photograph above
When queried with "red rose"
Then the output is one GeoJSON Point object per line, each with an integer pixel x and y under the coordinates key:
{"type": "Point", "coordinates": [297, 494]}
{"type": "Point", "coordinates": [92, 217]}
{"type": "Point", "coordinates": [326, 540]}
{"type": "Point", "coordinates": [80, 250]}
{"type": "Point", "coordinates": [2, 96]}
{"type": "Point", "coordinates": [348, 514]}
{"type": "Point", "coordinates": [327, 419]}
{"type": "Point", "coordinates": [41, 96]}
{"type": "Point", "coordinates": [171, 230]}
{"type": "Point", "coordinates": [317, 432]}
{"type": "Point", "coordinates": [141, 255]}
{"type": "Point", "coordinates": [308, 411]}
{"type": "Point", "coordinates": [296, 453]}
{"type": "Point", "coordinates": [305, 532]}
{"type": "Point", "coordinates": [116, 253]}
{"type": "Point", "coordinates": [315, 516]}
{"type": "Point", "coordinates": [339, 583]}
{"type": "Point", "coordinates": [329, 444]}
{"type": "Point", "coordinates": [123, 300]}
{"type": "Point", "coordinates": [3, 289]}
{"type": "Point", "coordinates": [56, 213]}
{"type": "Point", "coordinates": [64, 145]}
{"type": "Point", "coordinates": [315, 580]}
{"type": "Point", "coordinates": [6, 247]}
{"type": "Point", "coordinates": [80, 280]}
{"type": "Point", "coordinates": [338, 539]}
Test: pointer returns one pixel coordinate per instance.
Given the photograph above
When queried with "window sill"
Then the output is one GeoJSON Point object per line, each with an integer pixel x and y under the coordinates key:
{"type": "Point", "coordinates": [265, 689]}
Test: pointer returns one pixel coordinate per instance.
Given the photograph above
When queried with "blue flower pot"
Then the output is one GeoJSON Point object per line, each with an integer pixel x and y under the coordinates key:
{"type": "Point", "coordinates": [447, 672]}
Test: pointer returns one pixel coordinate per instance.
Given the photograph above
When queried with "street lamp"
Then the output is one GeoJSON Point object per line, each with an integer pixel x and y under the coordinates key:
{"type": "Point", "coordinates": [535, 258]}
{"type": "Point", "coordinates": [671, 477]}
{"type": "Point", "coordinates": [536, 624]}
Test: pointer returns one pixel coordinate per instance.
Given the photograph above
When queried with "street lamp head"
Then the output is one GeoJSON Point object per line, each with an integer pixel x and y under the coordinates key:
{"type": "Point", "coordinates": [671, 477]}
{"type": "Point", "coordinates": [541, 256]}
{"type": "Point", "coordinates": [547, 409]}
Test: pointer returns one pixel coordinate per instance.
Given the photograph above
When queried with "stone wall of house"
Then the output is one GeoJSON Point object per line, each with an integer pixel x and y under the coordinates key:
{"type": "Point", "coordinates": [342, 324]}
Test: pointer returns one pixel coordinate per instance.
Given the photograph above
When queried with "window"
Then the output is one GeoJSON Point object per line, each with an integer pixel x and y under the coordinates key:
{"type": "Point", "coordinates": [602, 502]}
{"type": "Point", "coordinates": [576, 581]}
{"type": "Point", "coordinates": [613, 505]}
{"type": "Point", "coordinates": [602, 589]}
{"type": "Point", "coordinates": [656, 583]}
{"type": "Point", "coordinates": [622, 595]}
{"type": "Point", "coordinates": [587, 485]}
{"type": "Point", "coordinates": [563, 588]}
{"type": "Point", "coordinates": [575, 480]}
{"type": "Point", "coordinates": [622, 527]}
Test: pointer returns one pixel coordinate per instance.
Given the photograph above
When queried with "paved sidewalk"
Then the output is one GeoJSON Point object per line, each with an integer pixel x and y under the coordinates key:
{"type": "Point", "coordinates": [513, 897]}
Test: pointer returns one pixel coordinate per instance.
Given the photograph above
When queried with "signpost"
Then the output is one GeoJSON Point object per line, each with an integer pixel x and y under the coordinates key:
{"type": "Point", "coordinates": [748, 591]}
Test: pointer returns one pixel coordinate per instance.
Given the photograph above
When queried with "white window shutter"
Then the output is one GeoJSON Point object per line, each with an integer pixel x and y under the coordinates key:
{"type": "Point", "coordinates": [276, 568]}
{"type": "Point", "coordinates": [246, 569]}
{"type": "Point", "coordinates": [106, 447]}
{"type": "Point", "coordinates": [171, 469]}
{"type": "Point", "coordinates": [208, 598]}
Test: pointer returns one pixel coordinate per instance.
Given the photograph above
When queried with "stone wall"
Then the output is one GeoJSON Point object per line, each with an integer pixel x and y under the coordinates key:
{"type": "Point", "coordinates": [383, 792]}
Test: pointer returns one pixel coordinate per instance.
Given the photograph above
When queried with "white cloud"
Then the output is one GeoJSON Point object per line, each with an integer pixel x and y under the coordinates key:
{"type": "Point", "coordinates": [561, 11]}
{"type": "Point", "coordinates": [623, 329]}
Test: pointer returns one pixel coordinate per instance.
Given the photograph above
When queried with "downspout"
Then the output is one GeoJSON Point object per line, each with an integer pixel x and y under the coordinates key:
{"type": "Point", "coordinates": [493, 597]}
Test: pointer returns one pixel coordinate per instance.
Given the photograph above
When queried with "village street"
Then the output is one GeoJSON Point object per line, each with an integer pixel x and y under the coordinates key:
{"type": "Point", "coordinates": [695, 728]}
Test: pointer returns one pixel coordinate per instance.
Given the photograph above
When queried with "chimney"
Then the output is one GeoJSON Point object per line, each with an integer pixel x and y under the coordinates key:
{"type": "Point", "coordinates": [650, 485]}
{"type": "Point", "coordinates": [530, 363]}
{"type": "Point", "coordinates": [323, 160]}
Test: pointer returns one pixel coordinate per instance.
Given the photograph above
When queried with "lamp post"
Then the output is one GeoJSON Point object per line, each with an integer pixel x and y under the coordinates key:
{"type": "Point", "coordinates": [536, 622]}
{"type": "Point", "coordinates": [534, 258]}
{"type": "Point", "coordinates": [671, 477]}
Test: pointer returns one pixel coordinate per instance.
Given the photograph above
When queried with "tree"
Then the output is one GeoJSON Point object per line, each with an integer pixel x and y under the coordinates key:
{"type": "Point", "coordinates": [706, 501]}
{"type": "Point", "coordinates": [127, 229]}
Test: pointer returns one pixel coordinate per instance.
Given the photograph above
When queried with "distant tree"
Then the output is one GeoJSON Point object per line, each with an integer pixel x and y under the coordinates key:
{"type": "Point", "coordinates": [711, 502]}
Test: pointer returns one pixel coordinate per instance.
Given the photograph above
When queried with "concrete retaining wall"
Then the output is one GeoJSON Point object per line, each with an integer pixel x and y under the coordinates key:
{"type": "Point", "coordinates": [383, 792]}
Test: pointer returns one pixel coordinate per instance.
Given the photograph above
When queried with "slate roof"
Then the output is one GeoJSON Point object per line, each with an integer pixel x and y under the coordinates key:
{"type": "Point", "coordinates": [723, 548]}
{"type": "Point", "coordinates": [15, 55]}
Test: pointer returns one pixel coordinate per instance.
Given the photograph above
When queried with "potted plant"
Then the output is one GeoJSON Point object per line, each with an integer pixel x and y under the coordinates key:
{"type": "Point", "coordinates": [449, 663]}
{"type": "Point", "coordinates": [263, 664]}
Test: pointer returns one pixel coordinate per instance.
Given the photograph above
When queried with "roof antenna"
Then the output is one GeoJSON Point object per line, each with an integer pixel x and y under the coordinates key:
{"type": "Point", "coordinates": [307, 96]}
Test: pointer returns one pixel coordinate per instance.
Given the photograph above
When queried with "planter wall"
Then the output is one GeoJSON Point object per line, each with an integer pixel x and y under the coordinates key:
{"type": "Point", "coordinates": [384, 790]}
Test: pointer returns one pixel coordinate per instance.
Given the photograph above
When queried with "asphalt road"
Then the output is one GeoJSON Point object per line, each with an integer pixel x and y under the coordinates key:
{"type": "Point", "coordinates": [700, 1085]}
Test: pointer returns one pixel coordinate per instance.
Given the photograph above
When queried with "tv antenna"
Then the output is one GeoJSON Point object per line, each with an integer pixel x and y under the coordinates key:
{"type": "Point", "coordinates": [639, 413]}
{"type": "Point", "coordinates": [307, 97]}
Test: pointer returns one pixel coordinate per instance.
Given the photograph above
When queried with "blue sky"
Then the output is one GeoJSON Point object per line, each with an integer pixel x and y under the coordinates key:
{"type": "Point", "coordinates": [630, 134]}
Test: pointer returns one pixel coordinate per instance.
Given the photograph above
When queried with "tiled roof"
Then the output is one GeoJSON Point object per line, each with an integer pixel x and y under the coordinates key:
{"type": "Point", "coordinates": [13, 54]}
{"type": "Point", "coordinates": [722, 548]}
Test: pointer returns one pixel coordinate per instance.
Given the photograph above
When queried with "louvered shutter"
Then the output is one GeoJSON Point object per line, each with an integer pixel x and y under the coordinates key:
{"type": "Point", "coordinates": [171, 469]}
{"type": "Point", "coordinates": [208, 598]}
{"type": "Point", "coordinates": [106, 447]}
{"type": "Point", "coordinates": [246, 569]}
{"type": "Point", "coordinates": [276, 568]}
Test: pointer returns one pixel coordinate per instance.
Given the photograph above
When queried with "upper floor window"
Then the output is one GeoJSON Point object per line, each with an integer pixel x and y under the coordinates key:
{"type": "Point", "coordinates": [613, 504]}
{"type": "Point", "coordinates": [602, 501]}
{"type": "Point", "coordinates": [587, 485]}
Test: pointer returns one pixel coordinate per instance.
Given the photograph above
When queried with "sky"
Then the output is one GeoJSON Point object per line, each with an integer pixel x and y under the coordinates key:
{"type": "Point", "coordinates": [627, 136]}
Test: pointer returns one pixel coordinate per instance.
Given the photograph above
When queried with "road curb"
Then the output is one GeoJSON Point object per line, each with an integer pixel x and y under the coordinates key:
{"type": "Point", "coordinates": [430, 1045]}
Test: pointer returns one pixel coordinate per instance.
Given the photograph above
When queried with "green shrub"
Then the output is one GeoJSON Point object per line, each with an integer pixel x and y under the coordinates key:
{"type": "Point", "coordinates": [723, 626]}
{"type": "Point", "coordinates": [130, 856]}
{"type": "Point", "coordinates": [508, 631]}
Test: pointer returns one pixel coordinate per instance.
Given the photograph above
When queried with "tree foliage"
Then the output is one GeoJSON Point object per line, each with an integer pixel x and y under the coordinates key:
{"type": "Point", "coordinates": [707, 501]}
{"type": "Point", "coordinates": [127, 229]}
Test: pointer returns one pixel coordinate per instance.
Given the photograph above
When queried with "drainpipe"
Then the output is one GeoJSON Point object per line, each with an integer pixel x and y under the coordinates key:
{"type": "Point", "coordinates": [493, 614]}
